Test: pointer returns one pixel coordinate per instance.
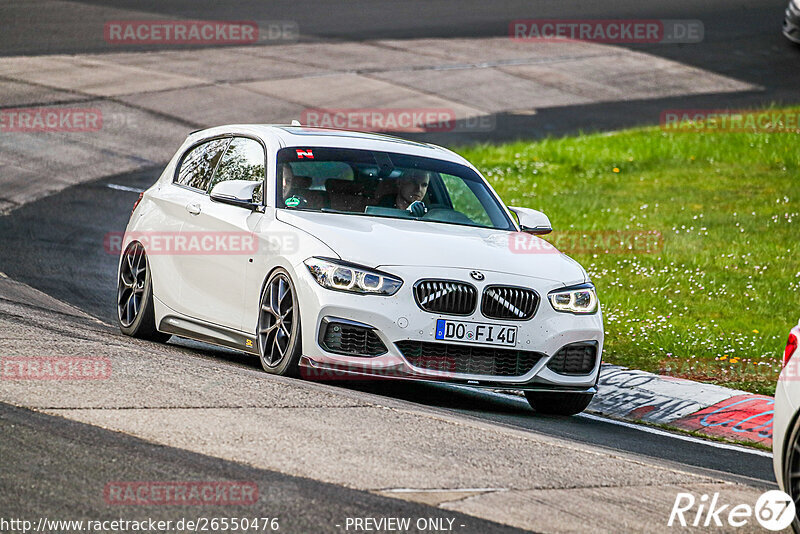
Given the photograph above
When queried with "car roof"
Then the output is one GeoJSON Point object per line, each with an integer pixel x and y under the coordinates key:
{"type": "Point", "coordinates": [302, 136]}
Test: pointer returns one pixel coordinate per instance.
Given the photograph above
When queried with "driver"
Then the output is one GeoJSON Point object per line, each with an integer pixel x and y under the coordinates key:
{"type": "Point", "coordinates": [411, 187]}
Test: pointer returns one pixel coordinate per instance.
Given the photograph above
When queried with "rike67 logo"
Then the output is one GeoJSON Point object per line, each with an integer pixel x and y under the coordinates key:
{"type": "Point", "coordinates": [774, 510]}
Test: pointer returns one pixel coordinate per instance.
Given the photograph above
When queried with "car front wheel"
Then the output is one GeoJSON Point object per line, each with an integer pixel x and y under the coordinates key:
{"type": "Point", "coordinates": [135, 311]}
{"type": "Point", "coordinates": [279, 326]}
{"type": "Point", "coordinates": [558, 403]}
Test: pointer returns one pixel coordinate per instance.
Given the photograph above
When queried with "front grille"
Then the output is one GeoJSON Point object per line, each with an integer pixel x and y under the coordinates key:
{"type": "Point", "coordinates": [467, 359]}
{"type": "Point", "coordinates": [352, 340]}
{"type": "Point", "coordinates": [446, 296]}
{"type": "Point", "coordinates": [506, 302]}
{"type": "Point", "coordinates": [574, 359]}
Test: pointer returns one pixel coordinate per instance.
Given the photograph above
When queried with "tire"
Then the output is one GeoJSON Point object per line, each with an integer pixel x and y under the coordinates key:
{"type": "Point", "coordinates": [558, 403]}
{"type": "Point", "coordinates": [135, 312]}
{"type": "Point", "coordinates": [279, 332]}
{"type": "Point", "coordinates": [791, 464]}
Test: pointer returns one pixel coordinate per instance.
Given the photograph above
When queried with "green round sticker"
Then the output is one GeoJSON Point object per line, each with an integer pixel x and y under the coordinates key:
{"type": "Point", "coordinates": [292, 202]}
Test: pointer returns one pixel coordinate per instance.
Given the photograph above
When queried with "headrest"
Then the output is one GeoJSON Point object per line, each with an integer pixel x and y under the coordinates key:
{"type": "Point", "coordinates": [301, 182]}
{"type": "Point", "coordinates": [343, 186]}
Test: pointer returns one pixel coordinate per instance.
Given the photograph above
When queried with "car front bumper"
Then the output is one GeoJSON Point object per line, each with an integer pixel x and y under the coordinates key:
{"type": "Point", "coordinates": [398, 318]}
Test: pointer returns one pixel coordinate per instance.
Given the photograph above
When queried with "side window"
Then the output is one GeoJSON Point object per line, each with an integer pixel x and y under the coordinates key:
{"type": "Point", "coordinates": [198, 165]}
{"type": "Point", "coordinates": [465, 201]}
{"type": "Point", "coordinates": [244, 160]}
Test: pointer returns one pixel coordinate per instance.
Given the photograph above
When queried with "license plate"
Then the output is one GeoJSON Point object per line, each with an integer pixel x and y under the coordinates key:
{"type": "Point", "coordinates": [468, 332]}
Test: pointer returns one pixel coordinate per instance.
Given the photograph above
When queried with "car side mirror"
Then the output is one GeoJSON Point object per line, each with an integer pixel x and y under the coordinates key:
{"type": "Point", "coordinates": [532, 221]}
{"type": "Point", "coordinates": [236, 192]}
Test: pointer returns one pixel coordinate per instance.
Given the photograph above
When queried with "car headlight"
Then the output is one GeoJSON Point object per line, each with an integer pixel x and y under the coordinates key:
{"type": "Point", "coordinates": [577, 299]}
{"type": "Point", "coordinates": [343, 276]}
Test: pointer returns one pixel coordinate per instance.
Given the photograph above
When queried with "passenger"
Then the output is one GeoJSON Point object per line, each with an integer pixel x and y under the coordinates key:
{"type": "Point", "coordinates": [287, 176]}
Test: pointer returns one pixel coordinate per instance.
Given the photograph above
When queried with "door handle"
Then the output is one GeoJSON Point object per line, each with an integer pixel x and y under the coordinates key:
{"type": "Point", "coordinates": [193, 208]}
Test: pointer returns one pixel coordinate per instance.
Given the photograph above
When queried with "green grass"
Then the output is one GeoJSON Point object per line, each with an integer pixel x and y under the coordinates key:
{"type": "Point", "coordinates": [721, 294]}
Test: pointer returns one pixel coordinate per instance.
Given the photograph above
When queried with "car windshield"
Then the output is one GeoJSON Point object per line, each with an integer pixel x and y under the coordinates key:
{"type": "Point", "coordinates": [383, 184]}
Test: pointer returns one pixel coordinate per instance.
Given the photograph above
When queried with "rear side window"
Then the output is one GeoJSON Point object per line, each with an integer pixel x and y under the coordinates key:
{"type": "Point", "coordinates": [243, 160]}
{"type": "Point", "coordinates": [198, 165]}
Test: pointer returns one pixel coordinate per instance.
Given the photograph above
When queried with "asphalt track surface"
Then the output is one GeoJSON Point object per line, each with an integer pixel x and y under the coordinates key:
{"type": "Point", "coordinates": [58, 248]}
{"type": "Point", "coordinates": [57, 244]}
{"type": "Point", "coordinates": [50, 463]}
{"type": "Point", "coordinates": [742, 40]}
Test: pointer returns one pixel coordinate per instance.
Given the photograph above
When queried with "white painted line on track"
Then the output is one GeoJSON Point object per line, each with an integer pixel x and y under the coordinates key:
{"type": "Point", "coordinates": [440, 490]}
{"type": "Point", "coordinates": [658, 431]}
{"type": "Point", "coordinates": [642, 428]}
{"type": "Point", "coordinates": [125, 188]}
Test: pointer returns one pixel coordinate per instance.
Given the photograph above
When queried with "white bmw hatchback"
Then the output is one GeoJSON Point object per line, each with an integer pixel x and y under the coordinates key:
{"type": "Point", "coordinates": [331, 253]}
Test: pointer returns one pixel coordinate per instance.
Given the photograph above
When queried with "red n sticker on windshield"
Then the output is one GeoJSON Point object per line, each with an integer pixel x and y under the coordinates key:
{"type": "Point", "coordinates": [304, 154]}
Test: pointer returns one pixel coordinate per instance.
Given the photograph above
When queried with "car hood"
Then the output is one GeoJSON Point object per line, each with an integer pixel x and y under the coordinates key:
{"type": "Point", "coordinates": [383, 242]}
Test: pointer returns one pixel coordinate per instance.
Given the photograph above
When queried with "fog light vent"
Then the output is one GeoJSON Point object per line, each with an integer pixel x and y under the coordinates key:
{"type": "Point", "coordinates": [574, 359]}
{"type": "Point", "coordinates": [351, 339]}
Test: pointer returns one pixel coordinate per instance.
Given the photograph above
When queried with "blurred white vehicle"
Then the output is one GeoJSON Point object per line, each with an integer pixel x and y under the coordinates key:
{"type": "Point", "coordinates": [786, 425]}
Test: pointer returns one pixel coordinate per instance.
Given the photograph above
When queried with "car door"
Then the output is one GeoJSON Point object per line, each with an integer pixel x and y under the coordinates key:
{"type": "Point", "coordinates": [213, 277]}
{"type": "Point", "coordinates": [174, 202]}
